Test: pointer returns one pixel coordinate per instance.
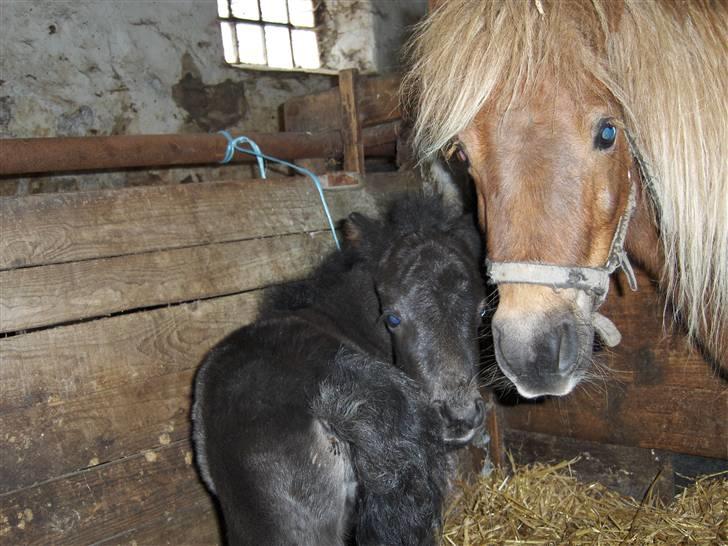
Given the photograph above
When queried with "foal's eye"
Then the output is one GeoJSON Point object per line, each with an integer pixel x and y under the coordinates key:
{"type": "Point", "coordinates": [392, 320]}
{"type": "Point", "coordinates": [606, 136]}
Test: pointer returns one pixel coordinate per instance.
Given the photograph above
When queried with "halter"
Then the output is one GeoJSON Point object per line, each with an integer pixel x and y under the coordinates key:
{"type": "Point", "coordinates": [594, 281]}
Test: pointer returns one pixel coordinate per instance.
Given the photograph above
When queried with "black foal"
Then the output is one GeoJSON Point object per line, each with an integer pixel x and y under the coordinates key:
{"type": "Point", "coordinates": [332, 416]}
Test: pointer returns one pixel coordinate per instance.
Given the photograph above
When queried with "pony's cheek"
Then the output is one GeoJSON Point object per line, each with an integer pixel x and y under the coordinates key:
{"type": "Point", "coordinates": [606, 201]}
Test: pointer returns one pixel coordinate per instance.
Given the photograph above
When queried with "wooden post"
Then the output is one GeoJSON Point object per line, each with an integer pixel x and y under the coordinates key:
{"type": "Point", "coordinates": [350, 126]}
{"type": "Point", "coordinates": [496, 449]}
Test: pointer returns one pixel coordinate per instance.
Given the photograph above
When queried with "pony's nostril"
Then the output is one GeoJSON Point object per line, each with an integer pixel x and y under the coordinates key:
{"type": "Point", "coordinates": [568, 346]}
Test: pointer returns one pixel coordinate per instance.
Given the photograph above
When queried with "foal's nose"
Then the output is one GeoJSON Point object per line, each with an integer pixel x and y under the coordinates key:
{"type": "Point", "coordinates": [461, 420]}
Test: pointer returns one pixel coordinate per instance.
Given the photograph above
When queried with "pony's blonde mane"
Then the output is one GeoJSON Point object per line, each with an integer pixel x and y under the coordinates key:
{"type": "Point", "coordinates": [664, 63]}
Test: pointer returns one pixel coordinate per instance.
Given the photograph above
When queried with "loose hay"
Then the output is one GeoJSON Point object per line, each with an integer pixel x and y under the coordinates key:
{"type": "Point", "coordinates": [542, 504]}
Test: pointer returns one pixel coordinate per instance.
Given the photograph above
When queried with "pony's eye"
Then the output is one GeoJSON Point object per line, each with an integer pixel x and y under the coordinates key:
{"type": "Point", "coordinates": [461, 155]}
{"type": "Point", "coordinates": [392, 320]}
{"type": "Point", "coordinates": [606, 136]}
{"type": "Point", "coordinates": [458, 151]}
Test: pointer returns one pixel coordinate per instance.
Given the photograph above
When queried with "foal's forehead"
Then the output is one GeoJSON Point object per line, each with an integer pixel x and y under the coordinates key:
{"type": "Point", "coordinates": [422, 261]}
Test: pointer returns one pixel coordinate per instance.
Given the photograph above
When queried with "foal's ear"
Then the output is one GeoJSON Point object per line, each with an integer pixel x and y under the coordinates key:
{"type": "Point", "coordinates": [467, 231]}
{"type": "Point", "coordinates": [357, 228]}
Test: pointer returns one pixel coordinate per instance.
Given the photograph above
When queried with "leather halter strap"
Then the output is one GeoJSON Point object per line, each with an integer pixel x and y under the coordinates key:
{"type": "Point", "coordinates": [592, 280]}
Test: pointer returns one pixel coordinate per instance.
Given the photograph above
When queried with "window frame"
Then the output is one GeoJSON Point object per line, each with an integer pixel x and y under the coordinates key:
{"type": "Point", "coordinates": [232, 20]}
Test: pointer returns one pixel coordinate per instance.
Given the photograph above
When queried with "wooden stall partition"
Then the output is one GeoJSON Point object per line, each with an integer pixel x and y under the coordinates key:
{"type": "Point", "coordinates": [358, 104]}
{"type": "Point", "coordinates": [108, 301]}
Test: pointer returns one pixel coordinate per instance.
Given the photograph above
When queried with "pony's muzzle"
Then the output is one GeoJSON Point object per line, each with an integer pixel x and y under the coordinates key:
{"type": "Point", "coordinates": [544, 363]}
{"type": "Point", "coordinates": [461, 420]}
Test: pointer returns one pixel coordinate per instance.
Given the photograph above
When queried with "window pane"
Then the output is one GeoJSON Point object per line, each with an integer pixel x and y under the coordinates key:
{"type": "Point", "coordinates": [274, 11]}
{"type": "Point", "coordinates": [250, 43]}
{"type": "Point", "coordinates": [245, 9]}
{"type": "Point", "coordinates": [228, 42]}
{"type": "Point", "coordinates": [305, 49]}
{"type": "Point", "coordinates": [222, 8]}
{"type": "Point", "coordinates": [301, 13]}
{"type": "Point", "coordinates": [278, 46]}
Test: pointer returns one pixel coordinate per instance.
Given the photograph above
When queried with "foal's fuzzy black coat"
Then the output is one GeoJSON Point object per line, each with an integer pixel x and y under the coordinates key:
{"type": "Point", "coordinates": [333, 413]}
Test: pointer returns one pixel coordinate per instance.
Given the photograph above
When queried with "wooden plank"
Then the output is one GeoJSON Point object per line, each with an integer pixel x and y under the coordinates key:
{"type": "Point", "coordinates": [101, 503]}
{"type": "Point", "coordinates": [350, 125]}
{"type": "Point", "coordinates": [659, 394]}
{"type": "Point", "coordinates": [59, 293]}
{"type": "Point", "coordinates": [378, 102]}
{"type": "Point", "coordinates": [49, 440]}
{"type": "Point", "coordinates": [197, 527]}
{"type": "Point", "coordinates": [77, 396]}
{"type": "Point", "coordinates": [629, 470]}
{"type": "Point", "coordinates": [60, 364]}
{"type": "Point", "coordinates": [65, 227]}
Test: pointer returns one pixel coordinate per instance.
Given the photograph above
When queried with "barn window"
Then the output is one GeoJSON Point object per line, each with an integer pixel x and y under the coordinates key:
{"type": "Point", "coordinates": [275, 34]}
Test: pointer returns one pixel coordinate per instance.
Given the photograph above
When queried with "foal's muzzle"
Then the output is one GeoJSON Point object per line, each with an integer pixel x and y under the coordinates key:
{"type": "Point", "coordinates": [462, 420]}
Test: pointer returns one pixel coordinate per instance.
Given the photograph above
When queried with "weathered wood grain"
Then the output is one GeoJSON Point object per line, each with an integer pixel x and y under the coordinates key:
{"type": "Point", "coordinates": [77, 396]}
{"type": "Point", "coordinates": [108, 501]}
{"type": "Point", "coordinates": [60, 293]}
{"type": "Point", "coordinates": [378, 102]}
{"type": "Point", "coordinates": [60, 364]}
{"type": "Point", "coordinates": [195, 527]}
{"type": "Point", "coordinates": [659, 393]}
{"type": "Point", "coordinates": [350, 124]}
{"type": "Point", "coordinates": [54, 439]}
{"type": "Point", "coordinates": [66, 227]}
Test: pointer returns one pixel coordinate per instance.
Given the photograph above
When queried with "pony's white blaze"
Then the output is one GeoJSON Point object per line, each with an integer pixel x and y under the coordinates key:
{"type": "Point", "coordinates": [661, 67]}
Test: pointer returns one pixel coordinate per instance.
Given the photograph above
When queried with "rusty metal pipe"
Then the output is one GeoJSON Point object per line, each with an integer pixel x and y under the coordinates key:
{"type": "Point", "coordinates": [70, 154]}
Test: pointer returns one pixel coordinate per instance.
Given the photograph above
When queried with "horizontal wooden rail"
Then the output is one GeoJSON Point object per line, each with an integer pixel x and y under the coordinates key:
{"type": "Point", "coordinates": [46, 155]}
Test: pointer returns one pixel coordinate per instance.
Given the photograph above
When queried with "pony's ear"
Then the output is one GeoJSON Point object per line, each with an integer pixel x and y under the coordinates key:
{"type": "Point", "coordinates": [357, 228]}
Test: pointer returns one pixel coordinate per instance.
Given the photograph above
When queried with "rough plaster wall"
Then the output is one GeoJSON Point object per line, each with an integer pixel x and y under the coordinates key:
{"type": "Point", "coordinates": [128, 67]}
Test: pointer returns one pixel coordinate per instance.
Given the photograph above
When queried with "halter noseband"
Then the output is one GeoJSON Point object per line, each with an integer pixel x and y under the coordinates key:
{"type": "Point", "coordinates": [594, 281]}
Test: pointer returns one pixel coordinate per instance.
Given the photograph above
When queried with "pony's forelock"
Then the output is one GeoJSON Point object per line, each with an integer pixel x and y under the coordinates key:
{"type": "Point", "coordinates": [663, 63]}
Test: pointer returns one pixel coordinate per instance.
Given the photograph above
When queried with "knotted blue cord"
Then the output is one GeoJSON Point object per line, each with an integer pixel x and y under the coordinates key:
{"type": "Point", "coordinates": [234, 144]}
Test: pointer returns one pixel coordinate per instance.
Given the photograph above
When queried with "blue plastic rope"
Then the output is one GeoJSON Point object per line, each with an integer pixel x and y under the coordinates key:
{"type": "Point", "coordinates": [234, 144]}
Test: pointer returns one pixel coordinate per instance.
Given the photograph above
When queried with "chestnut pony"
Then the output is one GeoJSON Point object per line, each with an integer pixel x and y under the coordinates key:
{"type": "Point", "coordinates": [593, 130]}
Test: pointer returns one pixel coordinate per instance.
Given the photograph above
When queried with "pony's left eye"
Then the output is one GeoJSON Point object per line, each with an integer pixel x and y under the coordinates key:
{"type": "Point", "coordinates": [606, 136]}
{"type": "Point", "coordinates": [392, 320]}
{"type": "Point", "coordinates": [458, 151]}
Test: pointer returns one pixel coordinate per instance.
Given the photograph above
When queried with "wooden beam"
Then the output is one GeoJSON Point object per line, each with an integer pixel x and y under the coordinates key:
{"type": "Point", "coordinates": [54, 155]}
{"type": "Point", "coordinates": [61, 293]}
{"type": "Point", "coordinates": [350, 126]}
{"type": "Point", "coordinates": [66, 227]}
{"type": "Point", "coordinates": [377, 102]}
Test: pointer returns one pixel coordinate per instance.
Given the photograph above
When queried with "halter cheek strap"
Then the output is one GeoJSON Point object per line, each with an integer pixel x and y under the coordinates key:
{"type": "Point", "coordinates": [594, 281]}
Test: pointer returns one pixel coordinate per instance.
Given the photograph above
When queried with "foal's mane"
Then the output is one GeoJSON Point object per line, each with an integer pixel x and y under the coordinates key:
{"type": "Point", "coordinates": [665, 64]}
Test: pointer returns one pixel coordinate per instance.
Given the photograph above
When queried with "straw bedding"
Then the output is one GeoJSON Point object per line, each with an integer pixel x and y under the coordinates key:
{"type": "Point", "coordinates": [542, 504]}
